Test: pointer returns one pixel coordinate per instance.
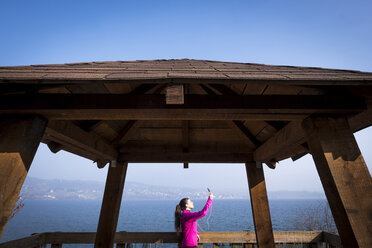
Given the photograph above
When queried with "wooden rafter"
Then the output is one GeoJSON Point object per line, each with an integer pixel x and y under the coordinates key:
{"type": "Point", "coordinates": [70, 135]}
{"type": "Point", "coordinates": [239, 125]}
{"type": "Point", "coordinates": [286, 139]}
{"type": "Point", "coordinates": [228, 91]}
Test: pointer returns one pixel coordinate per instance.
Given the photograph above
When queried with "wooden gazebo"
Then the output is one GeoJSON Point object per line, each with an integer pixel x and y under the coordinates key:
{"type": "Point", "coordinates": [191, 111]}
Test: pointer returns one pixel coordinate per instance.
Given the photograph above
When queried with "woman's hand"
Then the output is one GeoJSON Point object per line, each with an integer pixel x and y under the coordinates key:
{"type": "Point", "coordinates": [198, 237]}
{"type": "Point", "coordinates": [211, 195]}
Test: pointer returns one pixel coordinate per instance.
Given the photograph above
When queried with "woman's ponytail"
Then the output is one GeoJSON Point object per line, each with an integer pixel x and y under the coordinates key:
{"type": "Point", "coordinates": [178, 216]}
{"type": "Point", "coordinates": [177, 220]}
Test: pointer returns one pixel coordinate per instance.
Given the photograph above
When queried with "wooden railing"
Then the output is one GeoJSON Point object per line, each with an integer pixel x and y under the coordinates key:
{"type": "Point", "coordinates": [122, 239]}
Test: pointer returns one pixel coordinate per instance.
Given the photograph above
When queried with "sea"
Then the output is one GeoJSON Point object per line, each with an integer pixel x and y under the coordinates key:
{"type": "Point", "coordinates": [38, 216]}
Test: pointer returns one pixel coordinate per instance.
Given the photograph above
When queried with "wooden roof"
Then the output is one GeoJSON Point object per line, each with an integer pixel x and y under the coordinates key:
{"type": "Point", "coordinates": [232, 112]}
{"type": "Point", "coordinates": [178, 69]}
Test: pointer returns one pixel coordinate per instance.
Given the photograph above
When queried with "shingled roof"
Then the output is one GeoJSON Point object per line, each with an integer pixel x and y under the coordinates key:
{"type": "Point", "coordinates": [178, 69]}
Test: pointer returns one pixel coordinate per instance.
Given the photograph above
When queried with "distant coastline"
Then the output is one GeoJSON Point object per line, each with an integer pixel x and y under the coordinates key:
{"type": "Point", "coordinates": [35, 188]}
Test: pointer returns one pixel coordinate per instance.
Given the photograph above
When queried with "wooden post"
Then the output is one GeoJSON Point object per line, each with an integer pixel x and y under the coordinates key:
{"type": "Point", "coordinates": [19, 140]}
{"type": "Point", "coordinates": [260, 205]}
{"type": "Point", "coordinates": [345, 178]}
{"type": "Point", "coordinates": [108, 218]}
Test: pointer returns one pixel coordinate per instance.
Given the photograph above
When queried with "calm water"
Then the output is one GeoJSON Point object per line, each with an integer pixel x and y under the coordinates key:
{"type": "Point", "coordinates": [82, 216]}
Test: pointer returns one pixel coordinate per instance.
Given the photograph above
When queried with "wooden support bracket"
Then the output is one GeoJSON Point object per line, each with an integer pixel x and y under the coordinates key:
{"type": "Point", "coordinates": [345, 177]}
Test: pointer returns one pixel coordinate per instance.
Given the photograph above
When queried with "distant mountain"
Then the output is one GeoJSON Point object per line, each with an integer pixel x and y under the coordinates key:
{"type": "Point", "coordinates": [35, 188]}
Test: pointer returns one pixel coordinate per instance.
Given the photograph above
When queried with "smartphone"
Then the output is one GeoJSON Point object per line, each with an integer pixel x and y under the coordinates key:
{"type": "Point", "coordinates": [208, 190]}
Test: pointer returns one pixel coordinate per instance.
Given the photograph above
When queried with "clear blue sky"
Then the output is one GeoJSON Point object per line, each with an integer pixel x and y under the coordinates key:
{"type": "Point", "coordinates": [331, 34]}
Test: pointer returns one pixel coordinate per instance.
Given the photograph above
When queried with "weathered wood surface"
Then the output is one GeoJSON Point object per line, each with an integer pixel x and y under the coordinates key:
{"type": "Point", "coordinates": [19, 140]}
{"type": "Point", "coordinates": [170, 237]}
{"type": "Point", "coordinates": [111, 205]}
{"type": "Point", "coordinates": [260, 205]}
{"type": "Point", "coordinates": [345, 177]}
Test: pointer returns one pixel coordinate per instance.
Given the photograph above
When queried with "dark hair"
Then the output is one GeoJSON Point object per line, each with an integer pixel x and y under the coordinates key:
{"type": "Point", "coordinates": [178, 215]}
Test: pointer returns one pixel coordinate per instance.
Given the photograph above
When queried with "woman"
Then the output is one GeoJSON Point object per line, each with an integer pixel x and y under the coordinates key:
{"type": "Point", "coordinates": [186, 220]}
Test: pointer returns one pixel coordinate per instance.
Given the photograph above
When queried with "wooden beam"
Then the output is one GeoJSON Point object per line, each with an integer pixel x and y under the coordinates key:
{"type": "Point", "coordinates": [345, 177]}
{"type": "Point", "coordinates": [70, 135]}
{"type": "Point", "coordinates": [19, 140]}
{"type": "Point", "coordinates": [238, 125]}
{"type": "Point", "coordinates": [185, 136]}
{"type": "Point", "coordinates": [287, 139]}
{"type": "Point", "coordinates": [361, 120]}
{"type": "Point", "coordinates": [54, 146]}
{"type": "Point", "coordinates": [185, 157]}
{"type": "Point", "coordinates": [260, 205]}
{"type": "Point", "coordinates": [110, 209]}
{"type": "Point", "coordinates": [116, 106]}
{"type": "Point", "coordinates": [292, 137]}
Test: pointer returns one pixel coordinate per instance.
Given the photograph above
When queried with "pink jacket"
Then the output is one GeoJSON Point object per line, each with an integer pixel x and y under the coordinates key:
{"type": "Point", "coordinates": [189, 225]}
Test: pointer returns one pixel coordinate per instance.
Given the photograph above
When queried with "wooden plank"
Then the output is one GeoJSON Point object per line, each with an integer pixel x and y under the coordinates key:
{"type": "Point", "coordinates": [344, 176]}
{"type": "Point", "coordinates": [111, 205]}
{"type": "Point", "coordinates": [170, 237]}
{"type": "Point", "coordinates": [19, 140]}
{"type": "Point", "coordinates": [71, 135]}
{"type": "Point", "coordinates": [260, 205]}
{"type": "Point", "coordinates": [185, 157]}
{"type": "Point", "coordinates": [32, 241]}
{"type": "Point", "coordinates": [174, 94]}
